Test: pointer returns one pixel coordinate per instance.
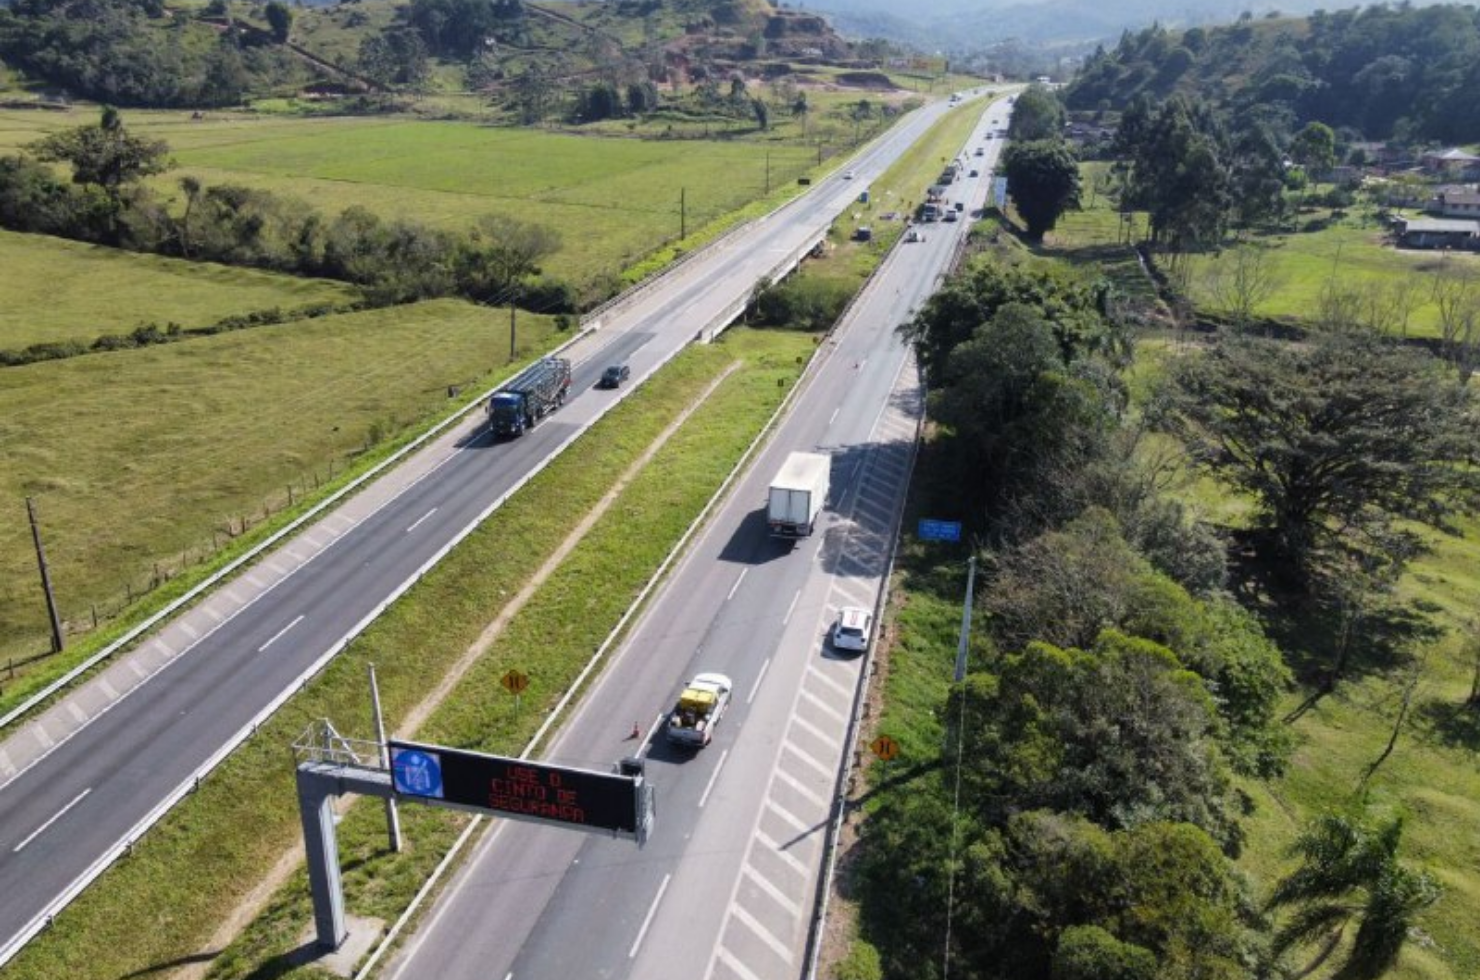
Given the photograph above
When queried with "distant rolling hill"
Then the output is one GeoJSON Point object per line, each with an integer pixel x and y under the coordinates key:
{"type": "Point", "coordinates": [955, 25]}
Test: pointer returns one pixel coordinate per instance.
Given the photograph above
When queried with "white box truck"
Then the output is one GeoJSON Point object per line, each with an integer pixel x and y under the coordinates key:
{"type": "Point", "coordinates": [798, 494]}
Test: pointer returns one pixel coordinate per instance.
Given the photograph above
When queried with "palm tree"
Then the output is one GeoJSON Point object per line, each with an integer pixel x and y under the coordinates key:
{"type": "Point", "coordinates": [1351, 871]}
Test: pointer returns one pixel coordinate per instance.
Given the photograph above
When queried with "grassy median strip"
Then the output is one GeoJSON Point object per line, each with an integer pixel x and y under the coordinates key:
{"type": "Point", "coordinates": [157, 907]}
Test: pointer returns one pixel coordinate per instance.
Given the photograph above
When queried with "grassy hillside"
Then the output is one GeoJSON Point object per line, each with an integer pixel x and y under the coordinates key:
{"type": "Point", "coordinates": [60, 290]}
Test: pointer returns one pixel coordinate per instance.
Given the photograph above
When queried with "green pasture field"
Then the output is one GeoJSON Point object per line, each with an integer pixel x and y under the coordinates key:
{"type": "Point", "coordinates": [162, 904]}
{"type": "Point", "coordinates": [61, 290]}
{"type": "Point", "coordinates": [1349, 251]}
{"type": "Point", "coordinates": [611, 200]}
{"type": "Point", "coordinates": [1353, 256]}
{"type": "Point", "coordinates": [148, 456]}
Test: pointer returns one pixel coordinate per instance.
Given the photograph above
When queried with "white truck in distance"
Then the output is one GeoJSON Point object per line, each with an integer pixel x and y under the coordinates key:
{"type": "Point", "coordinates": [798, 494]}
{"type": "Point", "coordinates": [699, 709]}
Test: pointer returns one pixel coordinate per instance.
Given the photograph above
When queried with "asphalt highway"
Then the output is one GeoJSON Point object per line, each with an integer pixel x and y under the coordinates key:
{"type": "Point", "coordinates": [726, 887]}
{"type": "Point", "coordinates": [66, 811]}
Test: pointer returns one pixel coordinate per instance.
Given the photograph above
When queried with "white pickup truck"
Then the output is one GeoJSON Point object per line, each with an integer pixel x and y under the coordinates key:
{"type": "Point", "coordinates": [699, 709]}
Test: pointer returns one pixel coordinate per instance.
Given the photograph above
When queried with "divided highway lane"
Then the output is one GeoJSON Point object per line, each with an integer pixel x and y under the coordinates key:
{"type": "Point", "coordinates": [107, 773]}
{"type": "Point", "coordinates": [726, 886]}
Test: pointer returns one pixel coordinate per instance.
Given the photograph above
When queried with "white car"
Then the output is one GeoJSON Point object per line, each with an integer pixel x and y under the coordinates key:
{"type": "Point", "coordinates": [914, 235]}
{"type": "Point", "coordinates": [848, 175]}
{"type": "Point", "coordinates": [854, 628]}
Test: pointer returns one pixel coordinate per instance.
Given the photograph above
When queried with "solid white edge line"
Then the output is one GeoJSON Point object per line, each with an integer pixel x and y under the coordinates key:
{"type": "Point", "coordinates": [311, 515]}
{"type": "Point", "coordinates": [758, 677]}
{"type": "Point", "coordinates": [720, 494]}
{"type": "Point", "coordinates": [280, 633]}
{"type": "Point", "coordinates": [421, 894]}
{"type": "Point", "coordinates": [40, 920]}
{"type": "Point", "coordinates": [679, 549]}
{"type": "Point", "coordinates": [712, 777]}
{"type": "Point", "coordinates": [417, 523]}
{"type": "Point", "coordinates": [736, 587]}
{"type": "Point", "coordinates": [55, 817]}
{"type": "Point", "coordinates": [648, 920]}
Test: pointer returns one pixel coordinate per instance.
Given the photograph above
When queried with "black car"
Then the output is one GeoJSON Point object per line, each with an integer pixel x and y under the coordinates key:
{"type": "Point", "coordinates": [613, 376]}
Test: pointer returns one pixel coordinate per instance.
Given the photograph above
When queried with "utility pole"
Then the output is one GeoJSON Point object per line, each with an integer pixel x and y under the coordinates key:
{"type": "Point", "coordinates": [392, 818]}
{"type": "Point", "coordinates": [965, 622]}
{"type": "Point", "coordinates": [57, 642]}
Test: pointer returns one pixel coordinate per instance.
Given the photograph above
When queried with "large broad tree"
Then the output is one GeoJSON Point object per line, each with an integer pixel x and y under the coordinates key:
{"type": "Point", "coordinates": [106, 155]}
{"type": "Point", "coordinates": [1037, 114]}
{"type": "Point", "coordinates": [1314, 148]}
{"type": "Point", "coordinates": [1335, 439]}
{"type": "Point", "coordinates": [279, 20]}
{"type": "Point", "coordinates": [500, 255]}
{"type": "Point", "coordinates": [1043, 179]}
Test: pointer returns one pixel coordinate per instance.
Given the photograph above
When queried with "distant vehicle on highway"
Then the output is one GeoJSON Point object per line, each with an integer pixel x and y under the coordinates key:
{"type": "Point", "coordinates": [950, 216]}
{"type": "Point", "coordinates": [976, 173]}
{"type": "Point", "coordinates": [848, 175]}
{"type": "Point", "coordinates": [699, 709]}
{"type": "Point", "coordinates": [614, 376]}
{"type": "Point", "coordinates": [914, 235]}
{"type": "Point", "coordinates": [854, 629]}
{"type": "Point", "coordinates": [980, 152]}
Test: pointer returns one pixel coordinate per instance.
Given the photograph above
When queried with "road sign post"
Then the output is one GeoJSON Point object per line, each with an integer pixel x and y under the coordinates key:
{"type": "Point", "coordinates": [515, 681]}
{"type": "Point", "coordinates": [884, 747]}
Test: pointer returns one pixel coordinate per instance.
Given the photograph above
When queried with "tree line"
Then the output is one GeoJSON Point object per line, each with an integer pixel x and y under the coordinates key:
{"type": "Point", "coordinates": [1082, 818]}
{"type": "Point", "coordinates": [394, 261]}
{"type": "Point", "coordinates": [1406, 72]}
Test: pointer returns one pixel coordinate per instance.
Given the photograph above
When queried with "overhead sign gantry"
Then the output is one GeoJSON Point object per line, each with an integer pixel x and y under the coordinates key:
{"type": "Point", "coordinates": [617, 804]}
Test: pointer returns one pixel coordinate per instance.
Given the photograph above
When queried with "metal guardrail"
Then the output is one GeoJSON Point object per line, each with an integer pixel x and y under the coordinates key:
{"type": "Point", "coordinates": [236, 564]}
{"type": "Point", "coordinates": [12, 946]}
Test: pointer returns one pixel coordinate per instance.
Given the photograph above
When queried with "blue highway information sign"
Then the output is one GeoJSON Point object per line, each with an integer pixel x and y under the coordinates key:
{"type": "Point", "coordinates": [932, 530]}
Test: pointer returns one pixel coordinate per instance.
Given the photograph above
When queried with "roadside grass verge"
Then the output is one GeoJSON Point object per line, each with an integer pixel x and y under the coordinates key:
{"type": "Point", "coordinates": [144, 464]}
{"type": "Point", "coordinates": [1093, 238]}
{"type": "Point", "coordinates": [157, 907]}
{"type": "Point", "coordinates": [60, 290]}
